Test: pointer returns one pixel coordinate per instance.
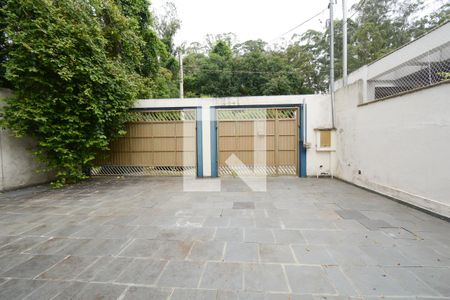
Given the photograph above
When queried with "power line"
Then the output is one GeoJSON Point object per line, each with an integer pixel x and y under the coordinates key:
{"type": "Point", "coordinates": [299, 25]}
{"type": "Point", "coordinates": [356, 10]}
{"type": "Point", "coordinates": [193, 69]}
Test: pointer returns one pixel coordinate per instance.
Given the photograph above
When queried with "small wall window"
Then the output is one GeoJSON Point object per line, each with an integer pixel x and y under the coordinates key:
{"type": "Point", "coordinates": [325, 139]}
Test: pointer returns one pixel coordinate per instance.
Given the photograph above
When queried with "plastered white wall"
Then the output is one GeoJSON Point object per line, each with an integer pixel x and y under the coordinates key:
{"type": "Point", "coordinates": [318, 108]}
{"type": "Point", "coordinates": [400, 145]}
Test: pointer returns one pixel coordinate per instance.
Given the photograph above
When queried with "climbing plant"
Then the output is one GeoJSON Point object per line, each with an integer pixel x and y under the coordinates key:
{"type": "Point", "coordinates": [76, 67]}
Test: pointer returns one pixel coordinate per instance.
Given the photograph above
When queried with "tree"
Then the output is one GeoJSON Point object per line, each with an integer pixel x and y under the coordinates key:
{"type": "Point", "coordinates": [4, 46]}
{"type": "Point", "coordinates": [166, 25]}
{"type": "Point", "coordinates": [76, 67]}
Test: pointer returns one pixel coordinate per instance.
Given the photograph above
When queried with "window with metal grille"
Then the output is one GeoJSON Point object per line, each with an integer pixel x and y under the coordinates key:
{"type": "Point", "coordinates": [427, 69]}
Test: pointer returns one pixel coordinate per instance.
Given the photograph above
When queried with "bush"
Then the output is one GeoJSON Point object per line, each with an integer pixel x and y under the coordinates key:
{"type": "Point", "coordinates": [74, 66]}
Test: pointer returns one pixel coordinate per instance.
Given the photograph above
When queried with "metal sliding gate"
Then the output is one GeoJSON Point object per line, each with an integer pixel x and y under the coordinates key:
{"type": "Point", "coordinates": [258, 141]}
{"type": "Point", "coordinates": [157, 143]}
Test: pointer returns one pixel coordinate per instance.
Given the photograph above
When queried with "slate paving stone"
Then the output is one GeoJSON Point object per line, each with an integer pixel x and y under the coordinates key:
{"type": "Point", "coordinates": [241, 252]}
{"type": "Point", "coordinates": [351, 214]}
{"type": "Point", "coordinates": [307, 224]}
{"type": "Point", "coordinates": [172, 249]}
{"type": "Point", "coordinates": [287, 296]}
{"type": "Point", "coordinates": [105, 232]}
{"type": "Point", "coordinates": [386, 256]}
{"type": "Point", "coordinates": [243, 205]}
{"type": "Point", "coordinates": [65, 230]}
{"type": "Point", "coordinates": [273, 253]}
{"type": "Point", "coordinates": [98, 247]}
{"type": "Point", "coordinates": [436, 278]}
{"type": "Point", "coordinates": [3, 280]}
{"type": "Point", "coordinates": [313, 255]}
{"type": "Point", "coordinates": [374, 281]}
{"type": "Point", "coordinates": [48, 290]}
{"type": "Point", "coordinates": [33, 267]}
{"type": "Point", "coordinates": [69, 268]}
{"type": "Point", "coordinates": [242, 222]}
{"type": "Point", "coordinates": [142, 271]}
{"type": "Point", "coordinates": [423, 255]}
{"type": "Point", "coordinates": [340, 282]}
{"type": "Point", "coordinates": [4, 240]}
{"type": "Point", "coordinates": [105, 269]}
{"type": "Point", "coordinates": [226, 276]}
{"type": "Point", "coordinates": [21, 245]}
{"type": "Point", "coordinates": [410, 282]}
{"type": "Point", "coordinates": [203, 251]}
{"type": "Point", "coordinates": [158, 249]}
{"type": "Point", "coordinates": [374, 224]}
{"type": "Point", "coordinates": [146, 293]}
{"type": "Point", "coordinates": [308, 280]}
{"type": "Point", "coordinates": [50, 246]}
{"type": "Point", "coordinates": [217, 222]}
{"type": "Point", "coordinates": [82, 290]}
{"type": "Point", "coordinates": [182, 274]}
{"type": "Point", "coordinates": [267, 222]}
{"type": "Point", "coordinates": [258, 235]}
{"type": "Point", "coordinates": [288, 236]}
{"type": "Point", "coordinates": [399, 233]}
{"type": "Point", "coordinates": [264, 277]}
{"type": "Point", "coordinates": [229, 234]}
{"type": "Point", "coordinates": [18, 288]}
{"type": "Point", "coordinates": [183, 294]}
{"type": "Point", "coordinates": [11, 260]}
{"type": "Point", "coordinates": [148, 232]}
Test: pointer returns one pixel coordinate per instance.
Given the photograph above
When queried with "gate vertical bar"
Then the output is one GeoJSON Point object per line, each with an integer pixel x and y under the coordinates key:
{"type": "Point", "coordinates": [199, 134]}
{"type": "Point", "coordinates": [276, 141]}
{"type": "Point", "coordinates": [214, 147]}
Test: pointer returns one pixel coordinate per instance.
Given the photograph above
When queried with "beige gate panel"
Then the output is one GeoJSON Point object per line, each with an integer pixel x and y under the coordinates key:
{"type": "Point", "coordinates": [264, 140]}
{"type": "Point", "coordinates": [164, 144]}
{"type": "Point", "coordinates": [228, 143]}
{"type": "Point", "coordinates": [286, 143]}
{"type": "Point", "coordinates": [156, 143]}
{"type": "Point", "coordinates": [138, 130]}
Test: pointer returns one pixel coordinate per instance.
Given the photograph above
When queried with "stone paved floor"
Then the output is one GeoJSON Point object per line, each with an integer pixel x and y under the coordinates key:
{"type": "Point", "coordinates": [143, 238]}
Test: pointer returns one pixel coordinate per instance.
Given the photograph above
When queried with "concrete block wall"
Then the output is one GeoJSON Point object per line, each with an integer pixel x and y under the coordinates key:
{"type": "Point", "coordinates": [17, 164]}
{"type": "Point", "coordinates": [398, 146]}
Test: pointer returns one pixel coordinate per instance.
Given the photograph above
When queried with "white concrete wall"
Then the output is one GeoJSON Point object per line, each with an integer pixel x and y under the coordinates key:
{"type": "Point", "coordinates": [421, 46]}
{"type": "Point", "coordinates": [17, 165]}
{"type": "Point", "coordinates": [400, 145]}
{"type": "Point", "coordinates": [318, 116]}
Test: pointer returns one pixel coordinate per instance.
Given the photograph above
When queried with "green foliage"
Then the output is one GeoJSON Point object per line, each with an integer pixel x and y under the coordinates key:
{"type": "Point", "coordinates": [76, 67]}
{"type": "Point", "coordinates": [245, 69]}
{"type": "Point", "coordinates": [222, 68]}
{"type": "Point", "coordinates": [380, 27]}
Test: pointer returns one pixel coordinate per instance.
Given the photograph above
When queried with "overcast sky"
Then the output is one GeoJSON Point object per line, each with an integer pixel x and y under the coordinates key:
{"type": "Point", "coordinates": [248, 19]}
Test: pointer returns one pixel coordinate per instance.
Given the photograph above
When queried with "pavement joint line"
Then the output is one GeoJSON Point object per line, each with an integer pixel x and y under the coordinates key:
{"type": "Point", "coordinates": [205, 265]}
{"type": "Point", "coordinates": [190, 248]}
{"type": "Point", "coordinates": [243, 277]}
{"type": "Point", "coordinates": [224, 249]}
{"type": "Point", "coordinates": [122, 296]}
{"type": "Point", "coordinates": [35, 277]}
{"type": "Point", "coordinates": [90, 265]}
{"type": "Point", "coordinates": [286, 278]}
{"type": "Point", "coordinates": [160, 273]}
{"type": "Point", "coordinates": [125, 246]}
{"type": "Point", "coordinates": [293, 254]}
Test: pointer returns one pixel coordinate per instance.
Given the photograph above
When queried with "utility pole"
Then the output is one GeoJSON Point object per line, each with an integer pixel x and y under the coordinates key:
{"type": "Point", "coordinates": [345, 42]}
{"type": "Point", "coordinates": [331, 6]}
{"type": "Point", "coordinates": [180, 57]}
